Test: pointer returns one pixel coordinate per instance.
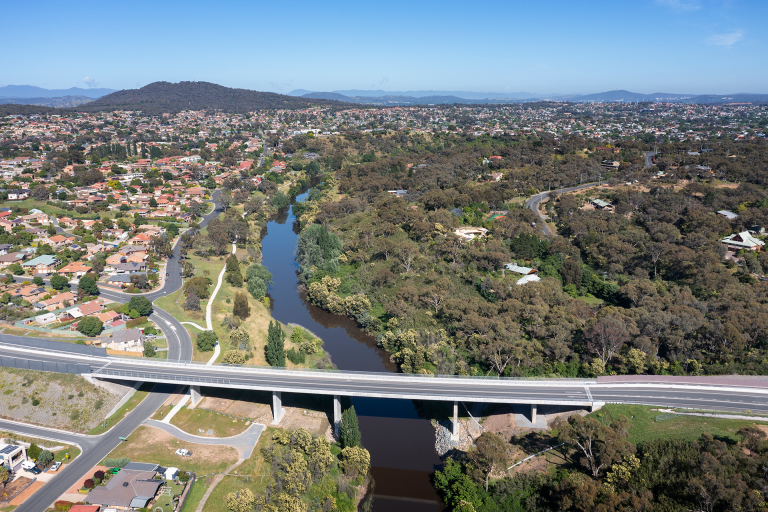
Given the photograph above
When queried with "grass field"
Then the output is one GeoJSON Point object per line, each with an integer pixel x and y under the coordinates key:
{"type": "Point", "coordinates": [196, 494]}
{"type": "Point", "coordinates": [148, 444]}
{"type": "Point", "coordinates": [127, 407]}
{"type": "Point", "coordinates": [257, 323]}
{"type": "Point", "coordinates": [190, 420]}
{"type": "Point", "coordinates": [645, 426]}
{"type": "Point", "coordinates": [253, 473]}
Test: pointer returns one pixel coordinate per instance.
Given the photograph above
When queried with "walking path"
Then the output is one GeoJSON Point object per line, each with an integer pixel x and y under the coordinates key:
{"type": "Point", "coordinates": [708, 415]}
{"type": "Point", "coordinates": [215, 482]}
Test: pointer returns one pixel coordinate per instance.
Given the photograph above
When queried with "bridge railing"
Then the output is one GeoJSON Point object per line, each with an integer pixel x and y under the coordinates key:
{"type": "Point", "coordinates": [202, 365]}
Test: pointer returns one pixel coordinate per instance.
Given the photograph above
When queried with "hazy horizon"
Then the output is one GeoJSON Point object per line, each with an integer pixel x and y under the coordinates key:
{"type": "Point", "coordinates": [648, 46]}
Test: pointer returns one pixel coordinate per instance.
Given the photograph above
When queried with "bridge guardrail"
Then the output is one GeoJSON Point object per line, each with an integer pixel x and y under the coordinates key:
{"type": "Point", "coordinates": [203, 365]}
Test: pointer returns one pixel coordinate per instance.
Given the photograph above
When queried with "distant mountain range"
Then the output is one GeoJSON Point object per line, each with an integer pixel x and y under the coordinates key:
{"type": "Point", "coordinates": [448, 97]}
{"type": "Point", "coordinates": [30, 91]}
{"type": "Point", "coordinates": [59, 102]}
{"type": "Point", "coordinates": [160, 97]}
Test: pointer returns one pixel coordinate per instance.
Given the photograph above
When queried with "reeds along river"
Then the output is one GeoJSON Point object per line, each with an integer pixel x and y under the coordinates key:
{"type": "Point", "coordinates": [401, 444]}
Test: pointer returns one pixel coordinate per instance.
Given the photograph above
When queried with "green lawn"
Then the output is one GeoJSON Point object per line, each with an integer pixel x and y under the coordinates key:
{"type": "Point", "coordinates": [647, 427]}
{"type": "Point", "coordinates": [127, 407]}
{"type": "Point", "coordinates": [190, 420]}
{"type": "Point", "coordinates": [195, 495]}
{"type": "Point", "coordinates": [148, 444]}
{"type": "Point", "coordinates": [59, 456]}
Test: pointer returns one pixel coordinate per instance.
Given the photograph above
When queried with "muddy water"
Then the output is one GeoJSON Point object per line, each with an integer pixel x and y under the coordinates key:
{"type": "Point", "coordinates": [401, 443]}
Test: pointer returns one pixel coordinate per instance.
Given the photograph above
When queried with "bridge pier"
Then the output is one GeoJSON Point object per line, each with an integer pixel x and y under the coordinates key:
{"type": "Point", "coordinates": [336, 415]}
{"type": "Point", "coordinates": [194, 392]}
{"type": "Point", "coordinates": [534, 409]}
{"type": "Point", "coordinates": [277, 407]}
{"type": "Point", "coordinates": [455, 431]}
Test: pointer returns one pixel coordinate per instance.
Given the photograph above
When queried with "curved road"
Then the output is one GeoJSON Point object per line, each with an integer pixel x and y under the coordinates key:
{"type": "Point", "coordinates": [533, 202]}
{"type": "Point", "coordinates": [95, 448]}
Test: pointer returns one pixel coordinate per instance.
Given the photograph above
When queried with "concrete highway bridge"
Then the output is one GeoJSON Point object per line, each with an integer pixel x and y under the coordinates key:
{"type": "Point", "coordinates": [710, 393]}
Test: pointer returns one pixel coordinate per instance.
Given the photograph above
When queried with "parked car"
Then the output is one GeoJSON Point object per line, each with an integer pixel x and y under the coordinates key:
{"type": "Point", "coordinates": [55, 466]}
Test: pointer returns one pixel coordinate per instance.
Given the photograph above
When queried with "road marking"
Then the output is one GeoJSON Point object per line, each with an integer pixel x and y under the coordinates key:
{"type": "Point", "coordinates": [589, 395]}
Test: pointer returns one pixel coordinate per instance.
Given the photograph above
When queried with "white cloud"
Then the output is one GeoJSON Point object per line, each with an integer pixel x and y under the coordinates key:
{"type": "Point", "coordinates": [726, 40]}
{"type": "Point", "coordinates": [680, 5]}
{"type": "Point", "coordinates": [90, 81]}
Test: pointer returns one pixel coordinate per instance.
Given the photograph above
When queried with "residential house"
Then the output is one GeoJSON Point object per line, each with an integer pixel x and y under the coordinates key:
{"type": "Point", "coordinates": [84, 309]}
{"type": "Point", "coordinates": [11, 455]}
{"type": "Point", "coordinates": [18, 195]}
{"type": "Point", "coordinates": [743, 240]}
{"type": "Point", "coordinates": [470, 233]}
{"type": "Point", "coordinates": [127, 490]}
{"type": "Point", "coordinates": [514, 267]}
{"type": "Point", "coordinates": [45, 264]}
{"type": "Point", "coordinates": [10, 259]}
{"type": "Point", "coordinates": [75, 269]}
{"type": "Point", "coordinates": [398, 193]}
{"type": "Point", "coordinates": [58, 241]}
{"type": "Point", "coordinates": [45, 319]}
{"type": "Point", "coordinates": [119, 280]}
{"type": "Point", "coordinates": [60, 301]}
{"type": "Point", "coordinates": [5, 248]}
{"type": "Point", "coordinates": [9, 224]}
{"type": "Point", "coordinates": [599, 204]}
{"type": "Point", "coordinates": [130, 268]}
{"type": "Point", "coordinates": [129, 340]}
{"type": "Point", "coordinates": [531, 278]}
{"type": "Point", "coordinates": [728, 214]}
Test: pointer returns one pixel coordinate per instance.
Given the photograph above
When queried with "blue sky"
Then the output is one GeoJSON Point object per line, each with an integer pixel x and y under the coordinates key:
{"type": "Point", "coordinates": [678, 46]}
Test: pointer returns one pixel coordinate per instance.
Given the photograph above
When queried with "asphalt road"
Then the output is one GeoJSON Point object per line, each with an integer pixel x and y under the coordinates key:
{"type": "Point", "coordinates": [533, 203]}
{"type": "Point", "coordinates": [712, 396]}
{"type": "Point", "coordinates": [649, 158]}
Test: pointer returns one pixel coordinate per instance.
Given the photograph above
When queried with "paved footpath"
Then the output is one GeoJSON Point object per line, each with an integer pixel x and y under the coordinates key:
{"type": "Point", "coordinates": [244, 443]}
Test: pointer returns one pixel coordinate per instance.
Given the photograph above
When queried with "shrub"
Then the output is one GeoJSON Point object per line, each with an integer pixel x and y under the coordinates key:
{"type": "Point", "coordinates": [46, 457]}
{"type": "Point", "coordinates": [149, 350]}
{"type": "Point", "coordinates": [62, 506]}
{"type": "Point", "coordinates": [183, 476]}
{"type": "Point", "coordinates": [233, 357]}
{"type": "Point", "coordinates": [99, 475]}
{"type": "Point", "coordinates": [90, 326]}
{"type": "Point", "coordinates": [35, 402]}
{"type": "Point", "coordinates": [33, 452]}
{"type": "Point", "coordinates": [130, 324]}
{"type": "Point", "coordinates": [140, 304]}
{"type": "Point", "coordinates": [117, 463]}
{"type": "Point", "coordinates": [355, 461]}
{"type": "Point", "coordinates": [89, 484]}
{"type": "Point", "coordinates": [206, 341]}
{"type": "Point", "coordinates": [241, 308]}
{"type": "Point", "coordinates": [296, 356]}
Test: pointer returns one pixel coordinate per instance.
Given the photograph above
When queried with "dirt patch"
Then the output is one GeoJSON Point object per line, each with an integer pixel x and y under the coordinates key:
{"type": "Point", "coordinates": [55, 400]}
{"type": "Point", "coordinates": [309, 412]}
{"type": "Point", "coordinates": [29, 491]}
{"type": "Point", "coordinates": [500, 419]}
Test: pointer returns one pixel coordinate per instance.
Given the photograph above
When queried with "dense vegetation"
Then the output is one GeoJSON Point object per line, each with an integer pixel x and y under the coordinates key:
{"type": "Point", "coordinates": [159, 97]}
{"type": "Point", "coordinates": [644, 289]}
{"type": "Point", "coordinates": [607, 473]}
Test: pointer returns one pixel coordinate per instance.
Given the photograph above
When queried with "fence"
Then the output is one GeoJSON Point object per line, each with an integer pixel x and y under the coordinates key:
{"type": "Point", "coordinates": [45, 366]}
{"type": "Point", "coordinates": [60, 346]}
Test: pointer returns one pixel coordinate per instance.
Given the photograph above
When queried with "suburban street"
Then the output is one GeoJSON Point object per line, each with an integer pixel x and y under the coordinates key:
{"type": "Point", "coordinates": [533, 202]}
{"type": "Point", "coordinates": [95, 448]}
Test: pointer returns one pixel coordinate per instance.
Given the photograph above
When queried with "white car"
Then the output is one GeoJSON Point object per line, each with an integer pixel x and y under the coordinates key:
{"type": "Point", "coordinates": [183, 452]}
{"type": "Point", "coordinates": [55, 466]}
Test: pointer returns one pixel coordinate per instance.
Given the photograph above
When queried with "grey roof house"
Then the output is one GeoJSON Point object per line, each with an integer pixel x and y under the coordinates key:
{"type": "Point", "coordinates": [127, 489]}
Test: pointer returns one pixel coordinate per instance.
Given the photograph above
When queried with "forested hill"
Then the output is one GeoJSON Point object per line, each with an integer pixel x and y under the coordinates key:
{"type": "Point", "coordinates": [159, 97]}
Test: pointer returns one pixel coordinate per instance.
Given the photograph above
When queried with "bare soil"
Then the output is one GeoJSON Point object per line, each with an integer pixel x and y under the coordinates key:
{"type": "Point", "coordinates": [313, 413]}
{"type": "Point", "coordinates": [65, 401]}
